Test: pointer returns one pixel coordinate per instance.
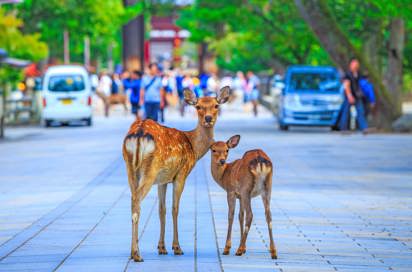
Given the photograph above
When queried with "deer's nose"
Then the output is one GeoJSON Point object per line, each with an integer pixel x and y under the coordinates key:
{"type": "Point", "coordinates": [208, 118]}
{"type": "Point", "coordinates": [222, 161]}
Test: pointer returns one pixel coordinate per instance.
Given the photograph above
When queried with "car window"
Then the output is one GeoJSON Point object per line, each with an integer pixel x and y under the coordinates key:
{"type": "Point", "coordinates": [314, 82]}
{"type": "Point", "coordinates": [66, 83]}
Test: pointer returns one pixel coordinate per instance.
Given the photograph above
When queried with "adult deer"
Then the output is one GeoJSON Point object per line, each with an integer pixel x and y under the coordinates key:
{"type": "Point", "coordinates": [155, 154]}
{"type": "Point", "coordinates": [244, 179]}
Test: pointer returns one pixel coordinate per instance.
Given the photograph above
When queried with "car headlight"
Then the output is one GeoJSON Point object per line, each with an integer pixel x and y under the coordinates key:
{"type": "Point", "coordinates": [336, 100]}
{"type": "Point", "coordinates": [291, 100]}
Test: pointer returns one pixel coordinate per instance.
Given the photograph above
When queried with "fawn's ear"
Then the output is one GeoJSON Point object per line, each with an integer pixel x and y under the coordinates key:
{"type": "Point", "coordinates": [223, 95]}
{"type": "Point", "coordinates": [190, 97]}
{"type": "Point", "coordinates": [233, 141]}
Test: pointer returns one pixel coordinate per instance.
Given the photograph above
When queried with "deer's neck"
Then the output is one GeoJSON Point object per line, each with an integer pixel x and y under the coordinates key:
{"type": "Point", "coordinates": [218, 172]}
{"type": "Point", "coordinates": [201, 138]}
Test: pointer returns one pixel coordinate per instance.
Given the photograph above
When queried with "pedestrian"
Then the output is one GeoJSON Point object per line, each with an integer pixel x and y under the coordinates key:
{"type": "Point", "coordinates": [151, 93]}
{"type": "Point", "coordinates": [240, 85]}
{"type": "Point", "coordinates": [116, 84]}
{"type": "Point", "coordinates": [132, 85]}
{"type": "Point", "coordinates": [104, 90]}
{"type": "Point", "coordinates": [179, 86]}
{"type": "Point", "coordinates": [353, 97]}
{"type": "Point", "coordinates": [368, 93]}
{"type": "Point", "coordinates": [167, 87]}
{"type": "Point", "coordinates": [213, 84]}
{"type": "Point", "coordinates": [253, 83]}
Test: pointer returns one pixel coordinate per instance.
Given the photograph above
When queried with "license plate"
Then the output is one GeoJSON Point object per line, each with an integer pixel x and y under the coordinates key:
{"type": "Point", "coordinates": [314, 117]}
{"type": "Point", "coordinates": [66, 101]}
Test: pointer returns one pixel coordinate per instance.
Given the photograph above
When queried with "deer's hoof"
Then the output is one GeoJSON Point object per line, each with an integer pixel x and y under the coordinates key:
{"type": "Point", "coordinates": [273, 254]}
{"type": "Point", "coordinates": [177, 250]}
{"type": "Point", "coordinates": [162, 250]}
{"type": "Point", "coordinates": [226, 251]}
{"type": "Point", "coordinates": [136, 257]}
{"type": "Point", "coordinates": [240, 251]}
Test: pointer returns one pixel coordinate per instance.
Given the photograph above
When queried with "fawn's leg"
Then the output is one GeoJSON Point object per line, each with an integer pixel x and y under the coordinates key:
{"type": "Point", "coordinates": [231, 201]}
{"type": "Point", "coordinates": [178, 186]}
{"type": "Point", "coordinates": [241, 217]}
{"type": "Point", "coordinates": [266, 203]}
{"type": "Point", "coordinates": [161, 192]}
{"type": "Point", "coordinates": [249, 216]}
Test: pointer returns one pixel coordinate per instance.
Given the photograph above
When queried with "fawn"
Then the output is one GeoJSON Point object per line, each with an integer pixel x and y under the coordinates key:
{"type": "Point", "coordinates": [244, 179]}
{"type": "Point", "coordinates": [155, 154]}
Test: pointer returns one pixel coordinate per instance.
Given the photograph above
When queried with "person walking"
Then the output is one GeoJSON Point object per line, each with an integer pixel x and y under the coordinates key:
{"type": "Point", "coordinates": [132, 85]}
{"type": "Point", "coordinates": [353, 97]}
{"type": "Point", "coordinates": [104, 90]}
{"type": "Point", "coordinates": [151, 93]}
{"type": "Point", "coordinates": [253, 83]}
{"type": "Point", "coordinates": [369, 100]}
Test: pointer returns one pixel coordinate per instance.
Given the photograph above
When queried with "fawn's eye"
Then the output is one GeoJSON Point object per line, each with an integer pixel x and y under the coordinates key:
{"type": "Point", "coordinates": [216, 106]}
{"type": "Point", "coordinates": [198, 107]}
{"type": "Point", "coordinates": [213, 151]}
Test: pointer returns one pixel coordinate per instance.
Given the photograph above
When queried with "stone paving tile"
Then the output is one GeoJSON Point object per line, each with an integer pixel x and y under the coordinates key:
{"type": "Point", "coordinates": [333, 208]}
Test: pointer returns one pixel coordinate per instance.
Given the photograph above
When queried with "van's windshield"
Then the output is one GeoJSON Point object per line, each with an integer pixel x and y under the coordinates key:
{"type": "Point", "coordinates": [314, 82]}
{"type": "Point", "coordinates": [66, 83]}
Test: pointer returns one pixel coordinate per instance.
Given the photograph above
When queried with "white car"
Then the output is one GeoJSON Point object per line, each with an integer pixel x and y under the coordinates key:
{"type": "Point", "coordinates": [67, 95]}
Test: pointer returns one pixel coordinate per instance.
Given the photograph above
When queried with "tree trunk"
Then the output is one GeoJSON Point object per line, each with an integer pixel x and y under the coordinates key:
{"type": "Point", "coordinates": [340, 49]}
{"type": "Point", "coordinates": [202, 49]}
{"type": "Point", "coordinates": [66, 46]}
{"type": "Point", "coordinates": [86, 53]}
{"type": "Point", "coordinates": [393, 75]}
{"type": "Point", "coordinates": [133, 34]}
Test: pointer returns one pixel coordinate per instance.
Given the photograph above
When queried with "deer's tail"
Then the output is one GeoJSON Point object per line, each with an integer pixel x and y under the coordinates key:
{"type": "Point", "coordinates": [260, 166]}
{"type": "Point", "coordinates": [137, 146]}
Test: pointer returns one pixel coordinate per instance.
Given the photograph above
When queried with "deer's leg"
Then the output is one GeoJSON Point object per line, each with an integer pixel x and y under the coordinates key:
{"type": "Point", "coordinates": [125, 106]}
{"type": "Point", "coordinates": [266, 203]}
{"type": "Point", "coordinates": [241, 217]}
{"type": "Point", "coordinates": [249, 216]}
{"type": "Point", "coordinates": [178, 186]}
{"type": "Point", "coordinates": [145, 183]}
{"type": "Point", "coordinates": [161, 191]}
{"type": "Point", "coordinates": [231, 201]}
{"type": "Point", "coordinates": [132, 178]}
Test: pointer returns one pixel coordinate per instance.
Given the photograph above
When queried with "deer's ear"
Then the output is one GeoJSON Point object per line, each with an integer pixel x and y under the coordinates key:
{"type": "Point", "coordinates": [223, 95]}
{"type": "Point", "coordinates": [233, 141]}
{"type": "Point", "coordinates": [190, 97]}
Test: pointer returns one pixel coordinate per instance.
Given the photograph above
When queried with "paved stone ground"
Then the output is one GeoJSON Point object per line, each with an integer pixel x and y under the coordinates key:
{"type": "Point", "coordinates": [339, 202]}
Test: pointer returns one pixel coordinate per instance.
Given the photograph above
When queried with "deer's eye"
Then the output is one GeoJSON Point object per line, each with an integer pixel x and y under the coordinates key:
{"type": "Point", "coordinates": [213, 151]}
{"type": "Point", "coordinates": [198, 107]}
{"type": "Point", "coordinates": [216, 106]}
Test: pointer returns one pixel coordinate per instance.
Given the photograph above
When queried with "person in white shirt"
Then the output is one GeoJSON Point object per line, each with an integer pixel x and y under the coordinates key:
{"type": "Point", "coordinates": [104, 90]}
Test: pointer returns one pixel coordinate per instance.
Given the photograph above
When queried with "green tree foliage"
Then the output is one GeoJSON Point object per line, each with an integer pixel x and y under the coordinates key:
{"type": "Point", "coordinates": [101, 20]}
{"type": "Point", "coordinates": [18, 45]}
{"type": "Point", "coordinates": [256, 35]}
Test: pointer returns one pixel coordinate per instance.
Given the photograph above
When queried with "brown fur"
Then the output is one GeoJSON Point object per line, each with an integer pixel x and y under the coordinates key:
{"type": "Point", "coordinates": [155, 154]}
{"type": "Point", "coordinates": [243, 179]}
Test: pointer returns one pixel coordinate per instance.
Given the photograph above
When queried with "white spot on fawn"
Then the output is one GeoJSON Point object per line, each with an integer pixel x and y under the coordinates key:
{"type": "Point", "coordinates": [134, 217]}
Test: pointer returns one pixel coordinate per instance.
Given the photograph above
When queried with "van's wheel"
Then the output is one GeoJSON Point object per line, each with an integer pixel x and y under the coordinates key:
{"type": "Point", "coordinates": [89, 122]}
{"type": "Point", "coordinates": [47, 123]}
{"type": "Point", "coordinates": [283, 127]}
{"type": "Point", "coordinates": [335, 128]}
